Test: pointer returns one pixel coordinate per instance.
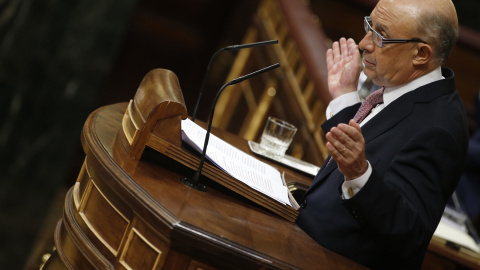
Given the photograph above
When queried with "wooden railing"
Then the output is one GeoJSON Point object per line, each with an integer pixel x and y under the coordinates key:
{"type": "Point", "coordinates": [297, 92]}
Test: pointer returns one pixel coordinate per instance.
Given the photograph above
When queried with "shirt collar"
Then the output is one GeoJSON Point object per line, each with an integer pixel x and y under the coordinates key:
{"type": "Point", "coordinates": [392, 93]}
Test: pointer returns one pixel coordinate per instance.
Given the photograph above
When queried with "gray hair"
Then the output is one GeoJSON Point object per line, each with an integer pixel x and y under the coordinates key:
{"type": "Point", "coordinates": [440, 31]}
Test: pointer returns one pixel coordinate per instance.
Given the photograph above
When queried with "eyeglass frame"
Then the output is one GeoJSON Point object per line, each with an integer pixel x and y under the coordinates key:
{"type": "Point", "coordinates": [368, 27]}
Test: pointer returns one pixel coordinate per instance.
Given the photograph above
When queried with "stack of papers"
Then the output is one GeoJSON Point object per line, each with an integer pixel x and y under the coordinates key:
{"type": "Point", "coordinates": [243, 167]}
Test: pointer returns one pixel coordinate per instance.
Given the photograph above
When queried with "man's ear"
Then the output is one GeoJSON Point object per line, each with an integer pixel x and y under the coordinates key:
{"type": "Point", "coordinates": [423, 55]}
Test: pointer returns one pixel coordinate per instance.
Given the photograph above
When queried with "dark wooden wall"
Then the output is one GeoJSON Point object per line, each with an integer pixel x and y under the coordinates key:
{"type": "Point", "coordinates": [180, 36]}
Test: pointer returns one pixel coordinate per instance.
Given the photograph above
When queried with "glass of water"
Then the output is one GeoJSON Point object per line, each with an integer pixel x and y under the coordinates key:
{"type": "Point", "coordinates": [276, 137]}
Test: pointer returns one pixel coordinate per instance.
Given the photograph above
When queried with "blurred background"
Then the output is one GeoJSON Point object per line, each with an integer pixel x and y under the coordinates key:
{"type": "Point", "coordinates": [60, 60]}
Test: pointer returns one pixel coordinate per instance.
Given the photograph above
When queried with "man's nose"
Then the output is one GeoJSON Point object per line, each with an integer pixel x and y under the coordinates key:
{"type": "Point", "coordinates": [366, 44]}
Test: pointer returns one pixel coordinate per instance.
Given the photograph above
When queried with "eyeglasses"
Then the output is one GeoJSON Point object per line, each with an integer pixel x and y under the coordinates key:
{"type": "Point", "coordinates": [379, 40]}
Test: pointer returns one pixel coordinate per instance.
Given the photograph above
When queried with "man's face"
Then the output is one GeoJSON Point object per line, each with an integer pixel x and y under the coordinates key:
{"type": "Point", "coordinates": [391, 65]}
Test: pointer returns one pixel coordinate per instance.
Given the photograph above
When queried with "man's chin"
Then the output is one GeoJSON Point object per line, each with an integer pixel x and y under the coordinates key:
{"type": "Point", "coordinates": [369, 72]}
{"type": "Point", "coordinates": [372, 75]}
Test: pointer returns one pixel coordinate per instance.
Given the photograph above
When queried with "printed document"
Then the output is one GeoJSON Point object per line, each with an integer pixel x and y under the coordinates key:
{"type": "Point", "coordinates": [243, 167]}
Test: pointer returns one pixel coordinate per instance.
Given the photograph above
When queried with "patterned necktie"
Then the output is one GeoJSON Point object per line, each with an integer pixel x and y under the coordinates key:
{"type": "Point", "coordinates": [370, 102]}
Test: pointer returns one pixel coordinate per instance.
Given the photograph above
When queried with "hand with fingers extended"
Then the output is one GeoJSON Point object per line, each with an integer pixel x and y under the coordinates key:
{"type": "Point", "coordinates": [344, 67]}
{"type": "Point", "coordinates": [347, 147]}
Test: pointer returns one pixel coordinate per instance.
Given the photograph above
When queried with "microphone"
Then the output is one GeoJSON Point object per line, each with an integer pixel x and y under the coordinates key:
{"type": "Point", "coordinates": [228, 48]}
{"type": "Point", "coordinates": [194, 181]}
{"type": "Point", "coordinates": [250, 45]}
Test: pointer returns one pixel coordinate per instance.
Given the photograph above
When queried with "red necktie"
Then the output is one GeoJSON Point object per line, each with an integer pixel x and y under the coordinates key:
{"type": "Point", "coordinates": [370, 102]}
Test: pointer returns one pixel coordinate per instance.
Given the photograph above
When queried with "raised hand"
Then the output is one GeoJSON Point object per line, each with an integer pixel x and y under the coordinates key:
{"type": "Point", "coordinates": [347, 146]}
{"type": "Point", "coordinates": [344, 66]}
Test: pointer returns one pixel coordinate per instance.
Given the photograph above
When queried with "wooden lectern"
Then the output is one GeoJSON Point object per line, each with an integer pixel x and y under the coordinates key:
{"type": "Point", "coordinates": [129, 210]}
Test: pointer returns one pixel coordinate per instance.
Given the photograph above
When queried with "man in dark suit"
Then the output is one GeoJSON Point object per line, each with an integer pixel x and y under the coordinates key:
{"type": "Point", "coordinates": [380, 197]}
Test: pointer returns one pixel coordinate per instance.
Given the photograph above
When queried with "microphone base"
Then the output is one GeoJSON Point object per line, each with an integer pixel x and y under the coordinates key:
{"type": "Point", "coordinates": [193, 184]}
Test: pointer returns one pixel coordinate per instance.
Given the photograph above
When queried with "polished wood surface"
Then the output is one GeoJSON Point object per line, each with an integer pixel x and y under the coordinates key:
{"type": "Point", "coordinates": [158, 107]}
{"type": "Point", "coordinates": [440, 255]}
{"type": "Point", "coordinates": [153, 119]}
{"type": "Point", "coordinates": [142, 217]}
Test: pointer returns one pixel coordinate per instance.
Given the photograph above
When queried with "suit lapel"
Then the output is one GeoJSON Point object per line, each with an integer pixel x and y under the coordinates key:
{"type": "Point", "coordinates": [324, 171]}
{"type": "Point", "coordinates": [403, 107]}
{"type": "Point", "coordinates": [385, 120]}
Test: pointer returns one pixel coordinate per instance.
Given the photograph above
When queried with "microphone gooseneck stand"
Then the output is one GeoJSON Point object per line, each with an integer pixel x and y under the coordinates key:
{"type": "Point", "coordinates": [194, 181]}
{"type": "Point", "coordinates": [228, 48]}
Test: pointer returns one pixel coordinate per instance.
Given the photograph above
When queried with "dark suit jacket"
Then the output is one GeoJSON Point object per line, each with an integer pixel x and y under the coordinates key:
{"type": "Point", "coordinates": [416, 147]}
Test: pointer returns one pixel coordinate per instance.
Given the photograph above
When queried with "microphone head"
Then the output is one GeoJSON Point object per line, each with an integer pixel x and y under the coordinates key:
{"type": "Point", "coordinates": [250, 45]}
{"type": "Point", "coordinates": [255, 73]}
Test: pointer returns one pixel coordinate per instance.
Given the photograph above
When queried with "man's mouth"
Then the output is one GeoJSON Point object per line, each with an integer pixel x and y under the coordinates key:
{"type": "Point", "coordinates": [368, 63]}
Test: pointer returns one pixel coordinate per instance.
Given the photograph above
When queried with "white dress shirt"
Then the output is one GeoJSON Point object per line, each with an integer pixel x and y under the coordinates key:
{"type": "Point", "coordinates": [389, 95]}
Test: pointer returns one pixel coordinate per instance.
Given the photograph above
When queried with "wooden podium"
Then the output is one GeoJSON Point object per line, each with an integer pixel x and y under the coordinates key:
{"type": "Point", "coordinates": [129, 210]}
